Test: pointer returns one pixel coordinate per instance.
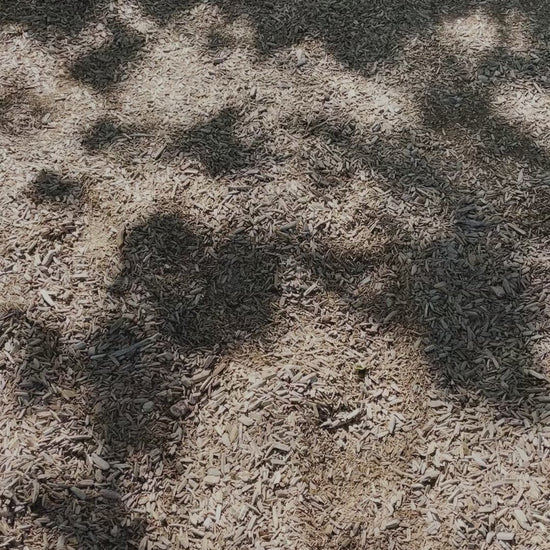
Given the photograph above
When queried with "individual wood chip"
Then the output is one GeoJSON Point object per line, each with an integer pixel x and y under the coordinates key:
{"type": "Point", "coordinates": [498, 291]}
{"type": "Point", "coordinates": [147, 406]}
{"type": "Point", "coordinates": [522, 520]}
{"type": "Point", "coordinates": [246, 420]}
{"type": "Point", "coordinates": [281, 446]}
{"type": "Point", "coordinates": [430, 475]}
{"type": "Point", "coordinates": [47, 260]}
{"type": "Point", "coordinates": [300, 57]}
{"type": "Point", "coordinates": [111, 495]}
{"type": "Point", "coordinates": [436, 404]}
{"type": "Point", "coordinates": [391, 524]}
{"type": "Point", "coordinates": [200, 376]}
{"type": "Point", "coordinates": [47, 298]}
{"type": "Point", "coordinates": [101, 463]}
{"type": "Point", "coordinates": [187, 382]}
{"type": "Point", "coordinates": [121, 235]}
{"type": "Point", "coordinates": [35, 491]}
{"type": "Point", "coordinates": [211, 480]}
{"type": "Point", "coordinates": [68, 394]}
{"type": "Point", "coordinates": [179, 409]}
{"type": "Point", "coordinates": [78, 493]}
{"type": "Point", "coordinates": [506, 536]}
{"type": "Point", "coordinates": [541, 518]}
{"type": "Point", "coordinates": [158, 152]}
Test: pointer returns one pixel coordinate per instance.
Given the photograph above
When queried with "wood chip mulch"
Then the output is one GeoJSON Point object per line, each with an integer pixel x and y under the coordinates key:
{"type": "Point", "coordinates": [274, 275]}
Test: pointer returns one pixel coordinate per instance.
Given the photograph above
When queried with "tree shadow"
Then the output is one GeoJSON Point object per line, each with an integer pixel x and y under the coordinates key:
{"type": "Point", "coordinates": [362, 35]}
{"type": "Point", "coordinates": [216, 144]}
{"type": "Point", "coordinates": [205, 293]}
{"type": "Point", "coordinates": [21, 112]}
{"type": "Point", "coordinates": [51, 19]}
{"type": "Point", "coordinates": [184, 297]}
{"type": "Point", "coordinates": [193, 296]}
{"type": "Point", "coordinates": [51, 187]}
{"type": "Point", "coordinates": [460, 110]}
{"type": "Point", "coordinates": [106, 65]}
{"type": "Point", "coordinates": [163, 11]}
{"type": "Point", "coordinates": [185, 294]}
{"type": "Point", "coordinates": [402, 167]}
{"type": "Point", "coordinates": [128, 143]}
{"type": "Point", "coordinates": [465, 293]}
{"type": "Point", "coordinates": [469, 299]}
{"type": "Point", "coordinates": [453, 101]}
{"type": "Point", "coordinates": [466, 300]}
{"type": "Point", "coordinates": [501, 65]}
{"type": "Point", "coordinates": [218, 41]}
{"type": "Point", "coordinates": [104, 133]}
{"type": "Point", "coordinates": [467, 296]}
{"type": "Point", "coordinates": [359, 36]}
{"type": "Point", "coordinates": [83, 507]}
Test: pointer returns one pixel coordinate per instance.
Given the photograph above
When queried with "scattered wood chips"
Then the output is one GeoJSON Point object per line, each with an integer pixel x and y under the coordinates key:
{"type": "Point", "coordinates": [274, 275]}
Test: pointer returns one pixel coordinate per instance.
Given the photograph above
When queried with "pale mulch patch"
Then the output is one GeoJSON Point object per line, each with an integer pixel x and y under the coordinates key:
{"type": "Point", "coordinates": [274, 275]}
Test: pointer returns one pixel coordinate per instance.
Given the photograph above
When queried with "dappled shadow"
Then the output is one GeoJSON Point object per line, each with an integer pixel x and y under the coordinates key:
{"type": "Point", "coordinates": [83, 506]}
{"type": "Point", "coordinates": [93, 522]}
{"type": "Point", "coordinates": [183, 295]}
{"type": "Point", "coordinates": [216, 144]}
{"type": "Point", "coordinates": [205, 293]}
{"type": "Point", "coordinates": [51, 19]}
{"type": "Point", "coordinates": [21, 112]}
{"type": "Point", "coordinates": [454, 101]}
{"type": "Point", "coordinates": [51, 187]}
{"type": "Point", "coordinates": [404, 167]}
{"type": "Point", "coordinates": [163, 11]}
{"type": "Point", "coordinates": [105, 66]}
{"type": "Point", "coordinates": [130, 144]}
{"type": "Point", "coordinates": [362, 34]}
{"type": "Point", "coordinates": [465, 293]}
{"type": "Point", "coordinates": [186, 294]}
{"type": "Point", "coordinates": [501, 65]}
{"type": "Point", "coordinates": [359, 35]}
{"type": "Point", "coordinates": [219, 41]}
{"type": "Point", "coordinates": [198, 296]}
{"type": "Point", "coordinates": [105, 133]}
{"type": "Point", "coordinates": [465, 298]}
{"type": "Point", "coordinates": [470, 299]}
{"type": "Point", "coordinates": [472, 305]}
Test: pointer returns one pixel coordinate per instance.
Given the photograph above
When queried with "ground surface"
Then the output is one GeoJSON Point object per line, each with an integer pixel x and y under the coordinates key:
{"type": "Point", "coordinates": [274, 275]}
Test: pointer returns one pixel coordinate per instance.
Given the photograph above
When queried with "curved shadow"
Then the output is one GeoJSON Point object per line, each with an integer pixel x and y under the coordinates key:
{"type": "Point", "coordinates": [359, 35]}
{"type": "Point", "coordinates": [204, 293]}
